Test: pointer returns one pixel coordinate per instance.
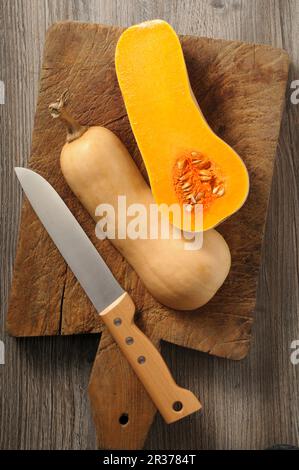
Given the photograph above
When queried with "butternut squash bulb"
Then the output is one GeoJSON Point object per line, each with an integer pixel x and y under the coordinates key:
{"type": "Point", "coordinates": [98, 169]}
{"type": "Point", "coordinates": [187, 163]}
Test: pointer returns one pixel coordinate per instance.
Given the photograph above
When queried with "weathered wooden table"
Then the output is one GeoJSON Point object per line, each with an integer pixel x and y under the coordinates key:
{"type": "Point", "coordinates": [250, 404]}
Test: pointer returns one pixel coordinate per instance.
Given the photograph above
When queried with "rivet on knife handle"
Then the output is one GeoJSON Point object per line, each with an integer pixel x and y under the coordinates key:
{"type": "Point", "coordinates": [172, 401]}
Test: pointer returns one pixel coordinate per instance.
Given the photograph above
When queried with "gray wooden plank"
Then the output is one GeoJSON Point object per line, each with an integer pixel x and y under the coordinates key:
{"type": "Point", "coordinates": [249, 404]}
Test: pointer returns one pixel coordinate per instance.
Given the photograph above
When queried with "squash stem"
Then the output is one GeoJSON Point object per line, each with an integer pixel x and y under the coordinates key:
{"type": "Point", "coordinates": [58, 110]}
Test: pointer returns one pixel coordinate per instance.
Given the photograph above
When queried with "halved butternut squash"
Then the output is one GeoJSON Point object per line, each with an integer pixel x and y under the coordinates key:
{"type": "Point", "coordinates": [186, 162]}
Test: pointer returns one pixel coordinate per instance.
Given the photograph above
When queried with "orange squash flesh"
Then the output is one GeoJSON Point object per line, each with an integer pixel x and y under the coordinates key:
{"type": "Point", "coordinates": [169, 127]}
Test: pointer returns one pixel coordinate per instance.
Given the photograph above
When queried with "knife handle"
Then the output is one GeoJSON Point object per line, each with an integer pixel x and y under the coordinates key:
{"type": "Point", "coordinates": [172, 401]}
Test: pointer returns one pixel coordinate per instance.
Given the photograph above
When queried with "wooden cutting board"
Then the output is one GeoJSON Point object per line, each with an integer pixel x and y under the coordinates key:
{"type": "Point", "coordinates": [240, 88]}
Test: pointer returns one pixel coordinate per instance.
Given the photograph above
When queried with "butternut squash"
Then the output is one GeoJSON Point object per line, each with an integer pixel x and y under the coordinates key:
{"type": "Point", "coordinates": [186, 162]}
{"type": "Point", "coordinates": [98, 168]}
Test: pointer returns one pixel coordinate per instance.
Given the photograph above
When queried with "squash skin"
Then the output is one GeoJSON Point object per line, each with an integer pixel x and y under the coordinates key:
{"type": "Point", "coordinates": [166, 118]}
{"type": "Point", "coordinates": [98, 168]}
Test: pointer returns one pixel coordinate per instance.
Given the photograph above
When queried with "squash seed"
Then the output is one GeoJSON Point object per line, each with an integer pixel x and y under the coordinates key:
{"type": "Point", "coordinates": [220, 191]}
{"type": "Point", "coordinates": [184, 177]}
{"type": "Point", "coordinates": [205, 165]}
{"type": "Point", "coordinates": [205, 173]}
{"type": "Point", "coordinates": [186, 185]}
{"type": "Point", "coordinates": [202, 164]}
{"type": "Point", "coordinates": [181, 164]}
{"type": "Point", "coordinates": [205, 178]}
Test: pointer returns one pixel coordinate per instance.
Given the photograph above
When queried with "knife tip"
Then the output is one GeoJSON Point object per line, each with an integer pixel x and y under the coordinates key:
{"type": "Point", "coordinates": [20, 171]}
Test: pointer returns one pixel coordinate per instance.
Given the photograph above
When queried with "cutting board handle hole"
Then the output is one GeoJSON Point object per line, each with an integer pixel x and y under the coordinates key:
{"type": "Point", "coordinates": [177, 406]}
{"type": "Point", "coordinates": [124, 419]}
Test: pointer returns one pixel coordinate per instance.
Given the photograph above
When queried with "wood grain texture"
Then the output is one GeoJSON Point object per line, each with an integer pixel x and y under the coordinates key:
{"type": "Point", "coordinates": [54, 370]}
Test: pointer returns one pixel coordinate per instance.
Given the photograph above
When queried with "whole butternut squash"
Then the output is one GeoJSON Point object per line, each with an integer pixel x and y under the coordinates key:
{"type": "Point", "coordinates": [98, 168]}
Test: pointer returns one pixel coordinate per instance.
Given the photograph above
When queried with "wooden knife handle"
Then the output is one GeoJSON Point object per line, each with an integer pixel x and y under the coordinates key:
{"type": "Point", "coordinates": [172, 401]}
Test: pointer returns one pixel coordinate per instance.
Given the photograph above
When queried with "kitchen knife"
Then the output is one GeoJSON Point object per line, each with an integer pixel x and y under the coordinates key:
{"type": "Point", "coordinates": [114, 305]}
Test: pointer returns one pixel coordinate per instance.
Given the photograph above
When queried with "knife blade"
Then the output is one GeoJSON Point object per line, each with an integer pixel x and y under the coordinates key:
{"type": "Point", "coordinates": [114, 305]}
{"type": "Point", "coordinates": [80, 254]}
